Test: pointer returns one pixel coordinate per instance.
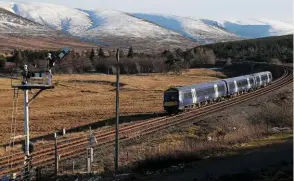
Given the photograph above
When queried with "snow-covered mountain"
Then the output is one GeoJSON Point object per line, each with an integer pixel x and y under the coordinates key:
{"type": "Point", "coordinates": [142, 31]}
{"type": "Point", "coordinates": [110, 28]}
{"type": "Point", "coordinates": [11, 23]}
{"type": "Point", "coordinates": [18, 32]}
{"type": "Point", "coordinates": [194, 29]}
{"type": "Point", "coordinates": [205, 29]}
{"type": "Point", "coordinates": [253, 28]}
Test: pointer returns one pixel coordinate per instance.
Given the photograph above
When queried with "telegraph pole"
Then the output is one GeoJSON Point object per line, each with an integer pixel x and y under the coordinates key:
{"type": "Point", "coordinates": [117, 113]}
{"type": "Point", "coordinates": [26, 123]}
{"type": "Point", "coordinates": [27, 135]}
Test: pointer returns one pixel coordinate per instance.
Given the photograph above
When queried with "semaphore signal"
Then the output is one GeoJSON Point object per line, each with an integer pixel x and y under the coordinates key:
{"type": "Point", "coordinates": [26, 85]}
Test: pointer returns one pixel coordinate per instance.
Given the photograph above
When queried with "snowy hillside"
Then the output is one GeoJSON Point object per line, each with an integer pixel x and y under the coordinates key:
{"type": "Point", "coordinates": [147, 32]}
{"type": "Point", "coordinates": [11, 23]}
{"type": "Point", "coordinates": [17, 32]}
{"type": "Point", "coordinates": [56, 17]}
{"type": "Point", "coordinates": [253, 28]}
{"type": "Point", "coordinates": [205, 30]}
{"type": "Point", "coordinates": [109, 28]}
{"type": "Point", "coordinates": [190, 28]}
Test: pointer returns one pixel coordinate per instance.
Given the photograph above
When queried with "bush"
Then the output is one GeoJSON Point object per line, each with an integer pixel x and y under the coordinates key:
{"type": "Point", "coordinates": [276, 61]}
{"type": "Point", "coordinates": [2, 62]}
{"type": "Point", "coordinates": [274, 116]}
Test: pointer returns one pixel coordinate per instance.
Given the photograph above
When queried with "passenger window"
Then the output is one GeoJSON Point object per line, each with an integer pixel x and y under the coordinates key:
{"type": "Point", "coordinates": [188, 95]}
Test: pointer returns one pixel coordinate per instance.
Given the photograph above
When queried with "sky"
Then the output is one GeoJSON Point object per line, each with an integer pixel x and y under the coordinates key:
{"type": "Point", "coordinates": [211, 9]}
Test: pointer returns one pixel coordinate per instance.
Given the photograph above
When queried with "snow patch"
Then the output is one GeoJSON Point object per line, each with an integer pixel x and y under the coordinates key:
{"type": "Point", "coordinates": [252, 28]}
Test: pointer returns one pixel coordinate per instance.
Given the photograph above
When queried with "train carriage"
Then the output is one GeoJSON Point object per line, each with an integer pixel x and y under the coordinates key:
{"type": "Point", "coordinates": [178, 98]}
{"type": "Point", "coordinates": [239, 84]}
{"type": "Point", "coordinates": [190, 96]}
{"type": "Point", "coordinates": [262, 78]}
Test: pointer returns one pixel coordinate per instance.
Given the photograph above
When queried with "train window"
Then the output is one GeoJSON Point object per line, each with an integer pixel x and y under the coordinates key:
{"type": "Point", "coordinates": [251, 81]}
{"type": "Point", "coordinates": [232, 85]}
{"type": "Point", "coordinates": [187, 95]}
{"type": "Point", "coordinates": [200, 93]}
{"type": "Point", "coordinates": [263, 77]}
{"type": "Point", "coordinates": [170, 97]}
{"type": "Point", "coordinates": [221, 88]}
{"type": "Point", "coordinates": [211, 91]}
{"type": "Point", "coordinates": [242, 83]}
{"type": "Point", "coordinates": [245, 83]}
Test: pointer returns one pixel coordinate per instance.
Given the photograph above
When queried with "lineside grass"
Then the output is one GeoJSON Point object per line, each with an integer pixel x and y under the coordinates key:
{"type": "Point", "coordinates": [83, 99]}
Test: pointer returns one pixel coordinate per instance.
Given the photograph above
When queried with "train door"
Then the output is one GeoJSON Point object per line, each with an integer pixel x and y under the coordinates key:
{"type": "Point", "coordinates": [260, 80]}
{"type": "Point", "coordinates": [194, 96]}
{"type": "Point", "coordinates": [268, 78]}
{"type": "Point", "coordinates": [249, 85]}
{"type": "Point", "coordinates": [216, 91]}
{"type": "Point", "coordinates": [236, 86]}
{"type": "Point", "coordinates": [254, 81]}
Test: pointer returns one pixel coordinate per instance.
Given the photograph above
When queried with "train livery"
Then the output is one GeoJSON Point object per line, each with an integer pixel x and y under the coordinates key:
{"type": "Point", "coordinates": [177, 99]}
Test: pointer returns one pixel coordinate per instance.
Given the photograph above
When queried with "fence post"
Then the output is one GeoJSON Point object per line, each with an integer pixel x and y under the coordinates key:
{"type": "Point", "coordinates": [92, 155]}
{"type": "Point", "coordinates": [73, 167]}
{"type": "Point", "coordinates": [89, 163]}
{"type": "Point", "coordinates": [39, 173]}
{"type": "Point", "coordinates": [56, 156]}
{"type": "Point", "coordinates": [63, 131]}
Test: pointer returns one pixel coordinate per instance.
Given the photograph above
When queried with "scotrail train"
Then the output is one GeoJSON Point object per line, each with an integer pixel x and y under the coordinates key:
{"type": "Point", "coordinates": [178, 99]}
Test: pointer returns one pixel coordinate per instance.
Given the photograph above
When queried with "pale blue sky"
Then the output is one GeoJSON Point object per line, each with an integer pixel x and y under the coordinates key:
{"type": "Point", "coordinates": [210, 9]}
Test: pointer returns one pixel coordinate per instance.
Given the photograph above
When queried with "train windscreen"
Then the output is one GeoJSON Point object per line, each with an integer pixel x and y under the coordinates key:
{"type": "Point", "coordinates": [170, 96]}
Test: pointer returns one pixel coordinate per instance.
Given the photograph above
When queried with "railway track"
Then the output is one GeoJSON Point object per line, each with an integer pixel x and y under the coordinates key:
{"type": "Point", "coordinates": [74, 147]}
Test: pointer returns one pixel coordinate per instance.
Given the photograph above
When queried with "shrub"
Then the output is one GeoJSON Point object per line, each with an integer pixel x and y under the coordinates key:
{"type": "Point", "coordinates": [2, 62]}
{"type": "Point", "coordinates": [274, 116]}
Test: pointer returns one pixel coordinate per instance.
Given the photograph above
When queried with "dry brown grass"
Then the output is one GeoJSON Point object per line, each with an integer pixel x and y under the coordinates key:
{"type": "Point", "coordinates": [83, 99]}
{"type": "Point", "coordinates": [9, 43]}
{"type": "Point", "coordinates": [192, 143]}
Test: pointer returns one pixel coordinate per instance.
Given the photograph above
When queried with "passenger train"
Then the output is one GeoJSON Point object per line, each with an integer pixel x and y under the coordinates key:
{"type": "Point", "coordinates": [178, 99]}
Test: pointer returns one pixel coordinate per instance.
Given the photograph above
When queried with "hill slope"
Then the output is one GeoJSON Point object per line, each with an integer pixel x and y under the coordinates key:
{"type": "Point", "coordinates": [253, 28]}
{"type": "Point", "coordinates": [146, 32]}
{"type": "Point", "coordinates": [190, 28]}
{"type": "Point", "coordinates": [108, 28]}
{"type": "Point", "coordinates": [17, 32]}
{"type": "Point", "coordinates": [209, 31]}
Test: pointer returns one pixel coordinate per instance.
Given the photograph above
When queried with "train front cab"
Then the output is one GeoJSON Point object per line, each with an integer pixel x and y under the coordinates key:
{"type": "Point", "coordinates": [171, 100]}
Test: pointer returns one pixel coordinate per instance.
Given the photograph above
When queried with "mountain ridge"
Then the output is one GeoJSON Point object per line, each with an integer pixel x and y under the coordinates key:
{"type": "Point", "coordinates": [150, 32]}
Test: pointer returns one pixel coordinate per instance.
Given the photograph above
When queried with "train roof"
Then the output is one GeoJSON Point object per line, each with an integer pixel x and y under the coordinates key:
{"type": "Point", "coordinates": [260, 73]}
{"type": "Point", "coordinates": [222, 81]}
{"type": "Point", "coordinates": [237, 78]}
{"type": "Point", "coordinates": [206, 84]}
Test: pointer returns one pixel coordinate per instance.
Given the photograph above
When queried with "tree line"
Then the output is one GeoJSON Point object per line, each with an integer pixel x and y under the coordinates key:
{"type": "Point", "coordinates": [271, 50]}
